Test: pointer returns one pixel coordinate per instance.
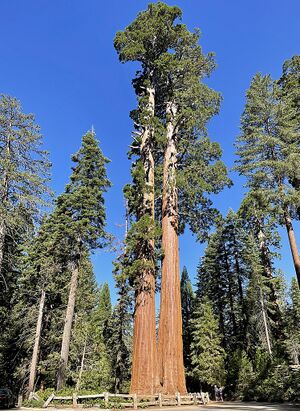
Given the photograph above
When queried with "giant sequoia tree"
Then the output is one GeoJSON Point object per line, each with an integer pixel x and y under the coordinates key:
{"type": "Point", "coordinates": [174, 107]}
{"type": "Point", "coordinates": [145, 40]}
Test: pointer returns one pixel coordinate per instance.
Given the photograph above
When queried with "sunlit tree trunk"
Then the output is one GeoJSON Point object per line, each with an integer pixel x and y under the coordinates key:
{"type": "Point", "coordinates": [265, 322]}
{"type": "Point", "coordinates": [144, 378]}
{"type": "Point", "coordinates": [65, 345]}
{"type": "Point", "coordinates": [78, 382]}
{"type": "Point", "coordinates": [35, 353]}
{"type": "Point", "coordinates": [293, 244]}
{"type": "Point", "coordinates": [170, 344]}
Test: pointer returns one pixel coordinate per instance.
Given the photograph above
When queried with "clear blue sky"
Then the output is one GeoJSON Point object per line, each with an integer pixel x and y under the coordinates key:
{"type": "Point", "coordinates": [57, 57]}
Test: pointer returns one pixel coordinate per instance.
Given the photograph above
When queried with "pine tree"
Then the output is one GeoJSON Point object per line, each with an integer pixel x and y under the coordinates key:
{"type": "Point", "coordinates": [187, 301]}
{"type": "Point", "coordinates": [120, 342]}
{"type": "Point", "coordinates": [265, 152]}
{"type": "Point", "coordinates": [293, 318]}
{"type": "Point", "coordinates": [207, 354]}
{"type": "Point", "coordinates": [222, 277]}
{"type": "Point", "coordinates": [90, 363]}
{"type": "Point", "coordinates": [104, 311]}
{"type": "Point", "coordinates": [24, 170]}
{"type": "Point", "coordinates": [9, 299]}
{"type": "Point", "coordinates": [78, 224]}
{"type": "Point", "coordinates": [257, 218]}
{"type": "Point", "coordinates": [288, 95]}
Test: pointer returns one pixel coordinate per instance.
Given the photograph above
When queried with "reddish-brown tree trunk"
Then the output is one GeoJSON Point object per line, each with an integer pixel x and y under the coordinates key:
{"type": "Point", "coordinates": [35, 353]}
{"type": "Point", "coordinates": [170, 345]}
{"type": "Point", "coordinates": [65, 345]}
{"type": "Point", "coordinates": [144, 377]}
{"type": "Point", "coordinates": [293, 244]}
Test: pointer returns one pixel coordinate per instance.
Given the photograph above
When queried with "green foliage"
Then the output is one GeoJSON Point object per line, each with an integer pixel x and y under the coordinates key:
{"type": "Point", "coordinates": [24, 174]}
{"type": "Point", "coordinates": [265, 148]}
{"type": "Point", "coordinates": [207, 355]}
{"type": "Point", "coordinates": [292, 340]}
{"type": "Point", "coordinates": [79, 217]}
{"type": "Point", "coordinates": [24, 165]}
{"type": "Point", "coordinates": [187, 302]}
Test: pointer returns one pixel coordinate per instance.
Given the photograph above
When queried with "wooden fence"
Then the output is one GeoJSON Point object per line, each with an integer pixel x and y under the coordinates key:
{"type": "Point", "coordinates": [134, 400]}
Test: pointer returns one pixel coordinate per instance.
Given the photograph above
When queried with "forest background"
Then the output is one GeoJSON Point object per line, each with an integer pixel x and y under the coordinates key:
{"type": "Point", "coordinates": [59, 60]}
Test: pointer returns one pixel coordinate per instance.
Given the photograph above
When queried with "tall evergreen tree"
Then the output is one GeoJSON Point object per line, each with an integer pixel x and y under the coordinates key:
{"type": "Point", "coordinates": [187, 301]}
{"type": "Point", "coordinates": [289, 97]}
{"type": "Point", "coordinates": [257, 218]}
{"type": "Point", "coordinates": [293, 318]}
{"type": "Point", "coordinates": [121, 344]}
{"type": "Point", "coordinates": [145, 40]}
{"type": "Point", "coordinates": [264, 152]}
{"type": "Point", "coordinates": [24, 170]}
{"type": "Point", "coordinates": [222, 276]}
{"type": "Point", "coordinates": [207, 354]}
{"type": "Point", "coordinates": [90, 363]}
{"type": "Point", "coordinates": [104, 310]}
{"type": "Point", "coordinates": [78, 224]}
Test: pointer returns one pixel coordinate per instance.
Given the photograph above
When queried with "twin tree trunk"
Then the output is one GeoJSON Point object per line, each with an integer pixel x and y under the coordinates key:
{"type": "Point", "coordinates": [170, 345]}
{"type": "Point", "coordinates": [144, 357]}
{"type": "Point", "coordinates": [35, 353]}
{"type": "Point", "coordinates": [65, 345]}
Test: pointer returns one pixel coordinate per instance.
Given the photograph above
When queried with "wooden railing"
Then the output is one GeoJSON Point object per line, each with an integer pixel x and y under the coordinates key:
{"type": "Point", "coordinates": [158, 400]}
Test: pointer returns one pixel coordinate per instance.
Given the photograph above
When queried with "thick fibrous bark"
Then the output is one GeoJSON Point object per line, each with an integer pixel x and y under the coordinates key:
{"type": "Point", "coordinates": [144, 357]}
{"type": "Point", "coordinates": [293, 244]}
{"type": "Point", "coordinates": [170, 345]}
{"type": "Point", "coordinates": [65, 345]}
{"type": "Point", "coordinates": [35, 353]}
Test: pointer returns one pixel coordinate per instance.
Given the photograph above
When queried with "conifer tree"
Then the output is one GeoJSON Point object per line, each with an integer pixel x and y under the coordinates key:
{"type": "Point", "coordinates": [78, 224]}
{"type": "Point", "coordinates": [24, 170]}
{"type": "Point", "coordinates": [207, 354]}
{"type": "Point", "coordinates": [187, 301]}
{"type": "Point", "coordinates": [222, 275]}
{"type": "Point", "coordinates": [172, 64]}
{"type": "Point", "coordinates": [104, 311]}
{"type": "Point", "coordinates": [145, 40]}
{"type": "Point", "coordinates": [293, 318]}
{"type": "Point", "coordinates": [264, 152]}
{"type": "Point", "coordinates": [121, 336]}
{"type": "Point", "coordinates": [289, 118]}
{"type": "Point", "coordinates": [258, 219]}
{"type": "Point", "coordinates": [90, 363]}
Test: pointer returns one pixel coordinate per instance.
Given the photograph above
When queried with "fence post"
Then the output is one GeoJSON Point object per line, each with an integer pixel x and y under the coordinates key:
{"type": "Point", "coordinates": [135, 402]}
{"type": "Point", "coordinates": [194, 398]}
{"type": "Point", "coordinates": [47, 402]}
{"type": "Point", "coordinates": [106, 399]}
{"type": "Point", "coordinates": [20, 400]}
{"type": "Point", "coordinates": [74, 399]}
{"type": "Point", "coordinates": [159, 400]}
{"type": "Point", "coordinates": [178, 399]}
